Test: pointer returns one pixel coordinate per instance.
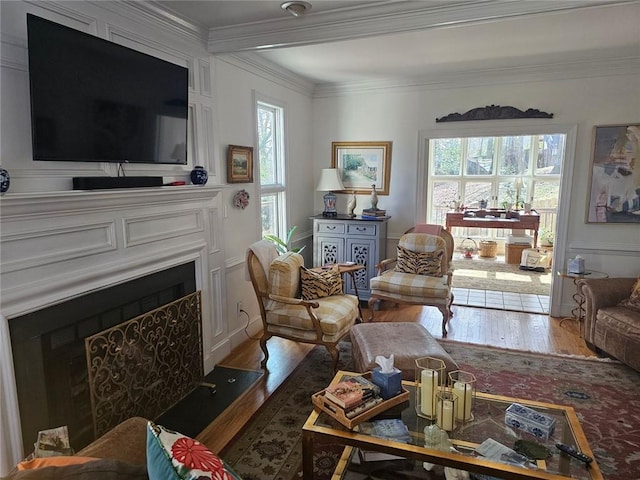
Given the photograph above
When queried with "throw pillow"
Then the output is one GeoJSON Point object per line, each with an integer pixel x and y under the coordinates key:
{"type": "Point", "coordinates": [55, 461]}
{"type": "Point", "coordinates": [419, 263]}
{"type": "Point", "coordinates": [173, 456]}
{"type": "Point", "coordinates": [320, 283]}
{"type": "Point", "coordinates": [633, 301]}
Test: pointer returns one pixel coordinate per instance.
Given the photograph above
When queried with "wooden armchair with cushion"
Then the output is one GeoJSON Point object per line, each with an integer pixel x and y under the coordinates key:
{"type": "Point", "coordinates": [419, 275]}
{"type": "Point", "coordinates": [299, 304]}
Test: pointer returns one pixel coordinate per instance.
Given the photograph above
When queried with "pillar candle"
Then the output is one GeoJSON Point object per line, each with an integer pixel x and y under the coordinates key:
{"type": "Point", "coordinates": [445, 417]}
{"type": "Point", "coordinates": [428, 387]}
{"type": "Point", "coordinates": [464, 391]}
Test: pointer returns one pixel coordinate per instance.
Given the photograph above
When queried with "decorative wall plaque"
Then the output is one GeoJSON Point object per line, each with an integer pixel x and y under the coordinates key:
{"type": "Point", "coordinates": [494, 112]}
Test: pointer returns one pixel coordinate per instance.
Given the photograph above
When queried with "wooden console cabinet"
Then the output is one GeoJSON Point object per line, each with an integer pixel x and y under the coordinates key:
{"type": "Point", "coordinates": [350, 239]}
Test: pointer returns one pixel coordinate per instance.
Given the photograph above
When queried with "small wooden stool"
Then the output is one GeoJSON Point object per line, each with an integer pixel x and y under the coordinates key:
{"type": "Point", "coordinates": [405, 340]}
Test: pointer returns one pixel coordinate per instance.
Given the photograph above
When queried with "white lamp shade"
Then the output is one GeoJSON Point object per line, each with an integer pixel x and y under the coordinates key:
{"type": "Point", "coordinates": [329, 180]}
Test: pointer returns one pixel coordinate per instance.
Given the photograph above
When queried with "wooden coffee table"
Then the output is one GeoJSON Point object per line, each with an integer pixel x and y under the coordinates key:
{"type": "Point", "coordinates": [488, 422]}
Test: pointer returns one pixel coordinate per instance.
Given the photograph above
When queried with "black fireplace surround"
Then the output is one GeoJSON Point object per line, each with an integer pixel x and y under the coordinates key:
{"type": "Point", "coordinates": [49, 354]}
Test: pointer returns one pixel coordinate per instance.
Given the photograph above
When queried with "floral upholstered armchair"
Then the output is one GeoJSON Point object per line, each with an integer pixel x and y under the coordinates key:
{"type": "Point", "coordinates": [419, 275]}
{"type": "Point", "coordinates": [297, 303]}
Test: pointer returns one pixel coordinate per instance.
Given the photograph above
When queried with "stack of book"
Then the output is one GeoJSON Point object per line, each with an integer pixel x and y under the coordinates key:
{"type": "Point", "coordinates": [373, 213]}
{"type": "Point", "coordinates": [354, 396]}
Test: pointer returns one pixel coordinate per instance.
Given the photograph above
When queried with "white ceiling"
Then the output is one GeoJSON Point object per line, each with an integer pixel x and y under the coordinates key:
{"type": "Point", "coordinates": [352, 41]}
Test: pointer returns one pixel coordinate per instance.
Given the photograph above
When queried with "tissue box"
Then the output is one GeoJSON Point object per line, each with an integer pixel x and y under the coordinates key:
{"type": "Point", "coordinates": [575, 265]}
{"type": "Point", "coordinates": [390, 383]}
{"type": "Point", "coordinates": [530, 420]}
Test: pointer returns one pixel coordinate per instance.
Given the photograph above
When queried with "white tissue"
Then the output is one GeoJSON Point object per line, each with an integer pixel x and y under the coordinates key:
{"type": "Point", "coordinates": [385, 364]}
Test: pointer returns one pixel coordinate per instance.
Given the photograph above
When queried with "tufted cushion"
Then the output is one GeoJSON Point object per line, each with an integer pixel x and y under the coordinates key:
{"type": "Point", "coordinates": [284, 275]}
{"type": "Point", "coordinates": [320, 283]}
{"type": "Point", "coordinates": [419, 263]}
{"type": "Point", "coordinates": [336, 314]}
{"type": "Point", "coordinates": [633, 301]}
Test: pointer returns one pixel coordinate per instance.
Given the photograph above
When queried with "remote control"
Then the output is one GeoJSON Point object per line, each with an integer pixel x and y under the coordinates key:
{"type": "Point", "coordinates": [574, 453]}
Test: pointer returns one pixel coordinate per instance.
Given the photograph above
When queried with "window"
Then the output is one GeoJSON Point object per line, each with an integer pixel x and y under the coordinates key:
{"type": "Point", "coordinates": [504, 171]}
{"type": "Point", "coordinates": [270, 130]}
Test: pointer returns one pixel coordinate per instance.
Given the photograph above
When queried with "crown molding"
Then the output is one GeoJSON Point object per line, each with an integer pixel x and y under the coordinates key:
{"type": "Point", "coordinates": [587, 68]}
{"type": "Point", "coordinates": [379, 19]}
{"type": "Point", "coordinates": [154, 14]}
{"type": "Point", "coordinates": [269, 70]}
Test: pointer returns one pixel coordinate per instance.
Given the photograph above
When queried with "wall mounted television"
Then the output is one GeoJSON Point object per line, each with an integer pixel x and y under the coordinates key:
{"type": "Point", "coordinates": [95, 101]}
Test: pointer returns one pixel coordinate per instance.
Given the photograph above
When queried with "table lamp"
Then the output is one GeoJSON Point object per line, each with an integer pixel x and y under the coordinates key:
{"type": "Point", "coordinates": [329, 181]}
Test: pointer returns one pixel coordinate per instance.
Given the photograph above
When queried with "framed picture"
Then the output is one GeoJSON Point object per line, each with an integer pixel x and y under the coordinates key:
{"type": "Point", "coordinates": [614, 193]}
{"type": "Point", "coordinates": [363, 164]}
{"type": "Point", "coordinates": [239, 164]}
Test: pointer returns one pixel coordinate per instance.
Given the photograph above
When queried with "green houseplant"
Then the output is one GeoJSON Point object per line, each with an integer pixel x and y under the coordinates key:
{"type": "Point", "coordinates": [284, 246]}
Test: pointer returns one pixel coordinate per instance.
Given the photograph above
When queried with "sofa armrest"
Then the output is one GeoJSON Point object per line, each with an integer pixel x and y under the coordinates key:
{"type": "Point", "coordinates": [600, 293]}
{"type": "Point", "coordinates": [126, 442]}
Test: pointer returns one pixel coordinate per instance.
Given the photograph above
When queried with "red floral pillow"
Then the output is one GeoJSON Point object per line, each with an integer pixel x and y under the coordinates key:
{"type": "Point", "coordinates": [171, 455]}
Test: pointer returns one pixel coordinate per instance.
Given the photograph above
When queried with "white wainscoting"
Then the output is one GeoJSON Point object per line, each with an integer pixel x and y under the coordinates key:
{"type": "Point", "coordinates": [60, 245]}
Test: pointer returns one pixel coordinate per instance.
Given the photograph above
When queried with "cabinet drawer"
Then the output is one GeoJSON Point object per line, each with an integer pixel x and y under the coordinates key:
{"type": "Point", "coordinates": [330, 227]}
{"type": "Point", "coordinates": [362, 229]}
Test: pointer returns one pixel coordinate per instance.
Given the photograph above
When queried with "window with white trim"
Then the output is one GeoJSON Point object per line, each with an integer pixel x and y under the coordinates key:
{"type": "Point", "coordinates": [503, 171]}
{"type": "Point", "coordinates": [270, 130]}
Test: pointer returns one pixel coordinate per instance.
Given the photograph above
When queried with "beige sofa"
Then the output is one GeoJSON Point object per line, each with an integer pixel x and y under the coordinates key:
{"type": "Point", "coordinates": [607, 326]}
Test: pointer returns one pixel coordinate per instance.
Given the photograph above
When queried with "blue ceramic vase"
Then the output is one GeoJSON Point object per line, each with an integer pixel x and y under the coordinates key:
{"type": "Point", "coordinates": [5, 181]}
{"type": "Point", "coordinates": [199, 176]}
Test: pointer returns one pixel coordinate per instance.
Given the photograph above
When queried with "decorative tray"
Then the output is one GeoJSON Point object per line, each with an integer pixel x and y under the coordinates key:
{"type": "Point", "coordinates": [337, 412]}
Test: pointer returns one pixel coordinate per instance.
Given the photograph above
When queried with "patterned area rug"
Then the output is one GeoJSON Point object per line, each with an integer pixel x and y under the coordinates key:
{"type": "Point", "coordinates": [606, 396]}
{"type": "Point", "coordinates": [494, 274]}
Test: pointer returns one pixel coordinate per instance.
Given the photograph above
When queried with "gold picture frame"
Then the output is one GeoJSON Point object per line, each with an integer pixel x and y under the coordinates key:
{"type": "Point", "coordinates": [239, 164]}
{"type": "Point", "coordinates": [363, 164]}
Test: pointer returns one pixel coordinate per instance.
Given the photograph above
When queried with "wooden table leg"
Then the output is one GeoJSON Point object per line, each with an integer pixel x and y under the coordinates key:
{"type": "Point", "coordinates": [307, 455]}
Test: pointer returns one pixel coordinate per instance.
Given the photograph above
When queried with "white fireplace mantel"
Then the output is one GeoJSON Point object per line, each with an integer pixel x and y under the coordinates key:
{"type": "Point", "coordinates": [56, 246]}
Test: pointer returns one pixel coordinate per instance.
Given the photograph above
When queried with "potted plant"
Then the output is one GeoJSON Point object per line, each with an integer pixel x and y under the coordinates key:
{"type": "Point", "coordinates": [284, 246]}
{"type": "Point", "coordinates": [547, 237]}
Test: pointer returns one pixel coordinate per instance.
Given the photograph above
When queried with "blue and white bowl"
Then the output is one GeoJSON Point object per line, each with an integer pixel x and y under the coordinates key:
{"type": "Point", "coordinates": [5, 181]}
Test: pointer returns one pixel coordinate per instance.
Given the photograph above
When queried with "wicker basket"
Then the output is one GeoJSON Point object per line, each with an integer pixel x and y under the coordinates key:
{"type": "Point", "coordinates": [468, 247]}
{"type": "Point", "coordinates": [488, 248]}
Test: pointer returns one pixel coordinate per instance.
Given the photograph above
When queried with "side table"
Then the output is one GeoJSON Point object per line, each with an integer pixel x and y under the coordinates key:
{"type": "Point", "coordinates": [578, 312]}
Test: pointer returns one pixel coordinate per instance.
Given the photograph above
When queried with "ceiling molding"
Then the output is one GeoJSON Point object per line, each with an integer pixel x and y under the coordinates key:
{"type": "Point", "coordinates": [380, 19]}
{"type": "Point", "coordinates": [587, 68]}
{"type": "Point", "coordinates": [269, 70]}
{"type": "Point", "coordinates": [158, 16]}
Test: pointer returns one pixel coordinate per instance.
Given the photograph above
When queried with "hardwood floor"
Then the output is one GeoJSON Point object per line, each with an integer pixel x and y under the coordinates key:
{"type": "Point", "coordinates": [511, 330]}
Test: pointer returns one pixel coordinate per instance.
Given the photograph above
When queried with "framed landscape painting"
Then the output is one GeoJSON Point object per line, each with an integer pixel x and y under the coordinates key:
{"type": "Point", "coordinates": [239, 164]}
{"type": "Point", "coordinates": [363, 164]}
{"type": "Point", "coordinates": [614, 193]}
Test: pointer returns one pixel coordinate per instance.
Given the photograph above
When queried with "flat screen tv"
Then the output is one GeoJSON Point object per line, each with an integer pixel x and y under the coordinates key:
{"type": "Point", "coordinates": [95, 101]}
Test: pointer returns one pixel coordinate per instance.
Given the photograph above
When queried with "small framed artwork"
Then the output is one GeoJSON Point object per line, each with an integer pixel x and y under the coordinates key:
{"type": "Point", "coordinates": [363, 164]}
{"type": "Point", "coordinates": [614, 193]}
{"type": "Point", "coordinates": [239, 164]}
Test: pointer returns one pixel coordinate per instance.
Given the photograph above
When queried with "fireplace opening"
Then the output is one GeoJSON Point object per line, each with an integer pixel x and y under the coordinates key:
{"type": "Point", "coordinates": [49, 350]}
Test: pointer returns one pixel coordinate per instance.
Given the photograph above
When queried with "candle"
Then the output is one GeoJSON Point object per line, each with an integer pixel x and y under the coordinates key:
{"type": "Point", "coordinates": [464, 391]}
{"type": "Point", "coordinates": [428, 384]}
{"type": "Point", "coordinates": [445, 417]}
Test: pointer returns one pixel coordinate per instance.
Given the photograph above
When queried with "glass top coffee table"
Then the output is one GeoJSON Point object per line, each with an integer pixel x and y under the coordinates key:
{"type": "Point", "coordinates": [488, 422]}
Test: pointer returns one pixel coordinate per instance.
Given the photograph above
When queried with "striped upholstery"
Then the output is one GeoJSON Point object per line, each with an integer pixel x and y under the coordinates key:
{"type": "Point", "coordinates": [290, 316]}
{"type": "Point", "coordinates": [336, 315]}
{"type": "Point", "coordinates": [400, 286]}
{"type": "Point", "coordinates": [284, 275]}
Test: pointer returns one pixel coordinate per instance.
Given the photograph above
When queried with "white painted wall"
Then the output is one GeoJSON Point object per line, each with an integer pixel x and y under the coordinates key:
{"type": "Point", "coordinates": [236, 90]}
{"type": "Point", "coordinates": [401, 114]}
